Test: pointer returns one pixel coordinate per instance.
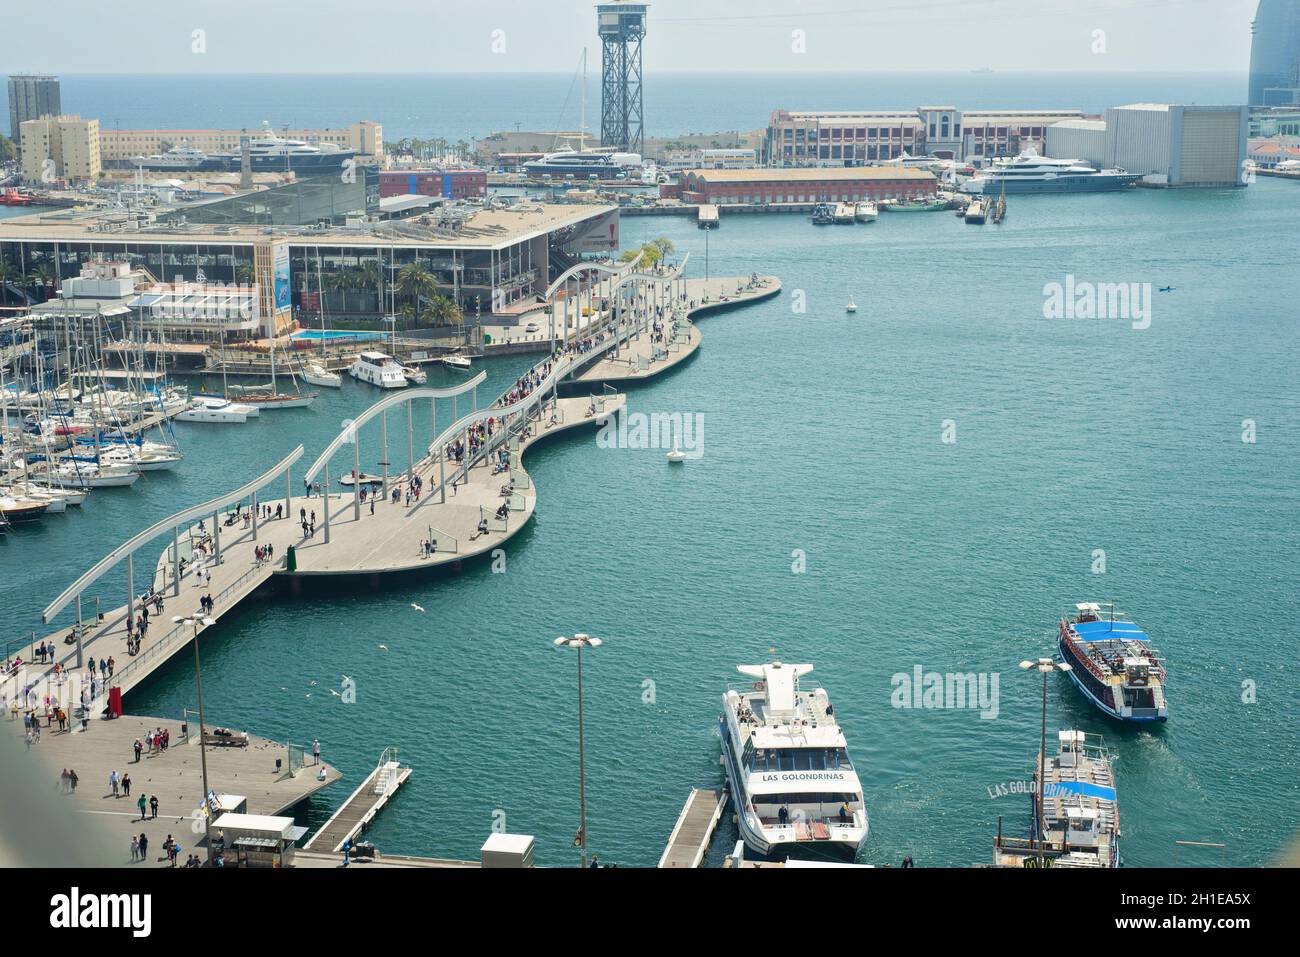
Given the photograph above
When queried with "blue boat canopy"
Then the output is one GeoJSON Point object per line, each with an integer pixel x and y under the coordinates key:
{"type": "Point", "coordinates": [1109, 631]}
{"type": "Point", "coordinates": [1084, 788]}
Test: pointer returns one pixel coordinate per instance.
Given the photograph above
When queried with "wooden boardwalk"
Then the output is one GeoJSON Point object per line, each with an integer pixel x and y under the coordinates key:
{"type": "Point", "coordinates": [641, 359]}
{"type": "Point", "coordinates": [362, 804]}
{"type": "Point", "coordinates": [694, 829]}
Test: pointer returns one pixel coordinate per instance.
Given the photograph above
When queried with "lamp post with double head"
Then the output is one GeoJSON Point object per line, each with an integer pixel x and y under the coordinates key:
{"type": "Point", "coordinates": [580, 641]}
{"type": "Point", "coordinates": [1045, 666]}
{"type": "Point", "coordinates": [195, 621]}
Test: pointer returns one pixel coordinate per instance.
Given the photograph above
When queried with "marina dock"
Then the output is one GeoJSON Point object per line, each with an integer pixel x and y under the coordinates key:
{"type": "Point", "coordinates": [362, 804]}
{"type": "Point", "coordinates": [694, 829]}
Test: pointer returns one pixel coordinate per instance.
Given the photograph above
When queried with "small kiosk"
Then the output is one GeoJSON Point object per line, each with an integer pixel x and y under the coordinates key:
{"type": "Point", "coordinates": [258, 840]}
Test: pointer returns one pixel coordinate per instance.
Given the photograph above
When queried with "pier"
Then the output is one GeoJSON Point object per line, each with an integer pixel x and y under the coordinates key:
{"type": "Point", "coordinates": [362, 805]}
{"type": "Point", "coordinates": [262, 772]}
{"type": "Point", "coordinates": [694, 829]}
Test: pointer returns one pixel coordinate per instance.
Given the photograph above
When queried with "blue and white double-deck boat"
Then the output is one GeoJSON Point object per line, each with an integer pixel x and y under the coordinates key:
{"type": "Point", "coordinates": [794, 786]}
{"type": "Point", "coordinates": [1075, 820]}
{"type": "Point", "coordinates": [1112, 664]}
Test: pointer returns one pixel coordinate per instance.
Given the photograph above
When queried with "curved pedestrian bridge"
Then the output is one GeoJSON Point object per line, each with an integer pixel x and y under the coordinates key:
{"type": "Point", "coordinates": [463, 495]}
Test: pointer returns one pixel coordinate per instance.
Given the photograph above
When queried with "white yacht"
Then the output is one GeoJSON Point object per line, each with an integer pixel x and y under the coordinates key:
{"type": "Point", "coordinates": [415, 375]}
{"type": "Point", "coordinates": [215, 409]}
{"type": "Point", "coordinates": [867, 212]}
{"type": "Point", "coordinates": [794, 786]}
{"type": "Point", "coordinates": [178, 158]}
{"type": "Point", "coordinates": [147, 457]}
{"type": "Point", "coordinates": [317, 374]}
{"type": "Point", "coordinates": [1031, 173]}
{"type": "Point", "coordinates": [378, 369]}
{"type": "Point", "coordinates": [459, 363]}
{"type": "Point", "coordinates": [76, 474]}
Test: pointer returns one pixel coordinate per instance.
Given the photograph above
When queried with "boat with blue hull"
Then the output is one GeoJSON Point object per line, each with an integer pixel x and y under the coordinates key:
{"type": "Point", "coordinates": [1113, 664]}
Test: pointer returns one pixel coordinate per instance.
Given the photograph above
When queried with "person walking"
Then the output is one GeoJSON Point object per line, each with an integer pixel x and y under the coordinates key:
{"type": "Point", "coordinates": [126, 785]}
{"type": "Point", "coordinates": [135, 848]}
{"type": "Point", "coordinates": [142, 804]}
{"type": "Point", "coordinates": [72, 781]}
{"type": "Point", "coordinates": [137, 747]}
{"type": "Point", "coordinates": [153, 807]}
{"type": "Point", "coordinates": [144, 847]}
{"type": "Point", "coordinates": [113, 782]}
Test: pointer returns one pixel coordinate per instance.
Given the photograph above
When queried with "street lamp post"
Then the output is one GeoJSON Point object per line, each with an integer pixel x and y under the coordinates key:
{"type": "Point", "coordinates": [195, 621]}
{"type": "Point", "coordinates": [1044, 666]}
{"type": "Point", "coordinates": [580, 641]}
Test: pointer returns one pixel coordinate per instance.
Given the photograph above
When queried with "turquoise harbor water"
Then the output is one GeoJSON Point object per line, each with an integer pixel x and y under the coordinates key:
{"type": "Point", "coordinates": [823, 434]}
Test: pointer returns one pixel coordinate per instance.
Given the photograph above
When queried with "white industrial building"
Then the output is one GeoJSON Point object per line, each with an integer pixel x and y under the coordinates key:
{"type": "Point", "coordinates": [1168, 144]}
{"type": "Point", "coordinates": [1078, 139]}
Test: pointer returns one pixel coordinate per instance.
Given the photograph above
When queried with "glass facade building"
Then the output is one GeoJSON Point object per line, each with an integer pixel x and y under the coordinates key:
{"type": "Point", "coordinates": [1275, 54]}
{"type": "Point", "coordinates": [309, 201]}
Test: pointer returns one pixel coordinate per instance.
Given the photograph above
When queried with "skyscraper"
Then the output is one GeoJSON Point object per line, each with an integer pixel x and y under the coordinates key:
{"type": "Point", "coordinates": [30, 98]}
{"type": "Point", "coordinates": [1275, 54]}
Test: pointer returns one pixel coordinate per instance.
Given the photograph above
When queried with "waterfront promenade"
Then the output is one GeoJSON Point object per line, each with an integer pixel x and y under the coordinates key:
{"type": "Point", "coordinates": [387, 535]}
{"type": "Point", "coordinates": [467, 506]}
{"type": "Point", "coordinates": [173, 775]}
{"type": "Point", "coordinates": [644, 358]}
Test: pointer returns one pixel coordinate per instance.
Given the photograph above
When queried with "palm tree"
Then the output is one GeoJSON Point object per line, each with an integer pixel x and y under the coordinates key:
{"type": "Point", "coordinates": [444, 311]}
{"type": "Point", "coordinates": [407, 312]}
{"type": "Point", "coordinates": [415, 281]}
{"type": "Point", "coordinates": [41, 278]}
{"type": "Point", "coordinates": [371, 276]}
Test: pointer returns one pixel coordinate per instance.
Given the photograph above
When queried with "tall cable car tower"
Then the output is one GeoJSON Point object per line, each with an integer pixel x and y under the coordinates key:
{"type": "Point", "coordinates": [621, 27]}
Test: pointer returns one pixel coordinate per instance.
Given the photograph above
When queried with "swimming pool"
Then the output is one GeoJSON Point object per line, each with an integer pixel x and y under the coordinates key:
{"type": "Point", "coordinates": [316, 335]}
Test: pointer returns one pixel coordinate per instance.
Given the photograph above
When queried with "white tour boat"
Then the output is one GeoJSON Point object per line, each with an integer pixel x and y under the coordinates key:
{"type": "Point", "coordinates": [794, 786]}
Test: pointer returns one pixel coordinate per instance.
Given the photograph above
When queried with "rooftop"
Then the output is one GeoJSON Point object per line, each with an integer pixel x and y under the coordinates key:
{"type": "Point", "coordinates": [827, 174]}
{"type": "Point", "coordinates": [483, 227]}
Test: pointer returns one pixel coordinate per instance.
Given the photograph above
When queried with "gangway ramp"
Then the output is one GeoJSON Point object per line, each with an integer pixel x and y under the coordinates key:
{"type": "Point", "coordinates": [694, 829]}
{"type": "Point", "coordinates": [362, 805]}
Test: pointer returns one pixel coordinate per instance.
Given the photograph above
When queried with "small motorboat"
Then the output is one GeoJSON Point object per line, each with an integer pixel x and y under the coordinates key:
{"type": "Point", "coordinates": [851, 306]}
{"type": "Point", "coordinates": [415, 375]}
{"type": "Point", "coordinates": [460, 363]}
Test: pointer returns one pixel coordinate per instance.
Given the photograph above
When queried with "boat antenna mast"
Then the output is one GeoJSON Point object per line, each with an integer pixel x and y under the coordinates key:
{"type": "Point", "coordinates": [582, 119]}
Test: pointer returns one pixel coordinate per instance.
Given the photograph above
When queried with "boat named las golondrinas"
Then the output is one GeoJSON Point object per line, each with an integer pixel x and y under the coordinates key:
{"type": "Point", "coordinates": [1113, 665]}
{"type": "Point", "coordinates": [794, 786]}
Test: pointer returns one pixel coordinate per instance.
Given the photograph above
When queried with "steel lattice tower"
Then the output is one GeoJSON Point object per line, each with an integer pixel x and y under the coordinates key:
{"type": "Point", "coordinates": [621, 27]}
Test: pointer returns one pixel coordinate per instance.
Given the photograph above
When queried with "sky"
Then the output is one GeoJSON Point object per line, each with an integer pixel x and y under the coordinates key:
{"type": "Point", "coordinates": [520, 36]}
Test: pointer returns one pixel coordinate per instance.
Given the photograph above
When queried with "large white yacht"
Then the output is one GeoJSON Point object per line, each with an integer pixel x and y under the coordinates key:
{"type": "Point", "coordinates": [378, 369]}
{"type": "Point", "coordinates": [794, 786]}
{"type": "Point", "coordinates": [1031, 173]}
